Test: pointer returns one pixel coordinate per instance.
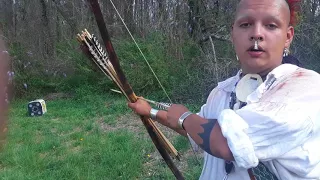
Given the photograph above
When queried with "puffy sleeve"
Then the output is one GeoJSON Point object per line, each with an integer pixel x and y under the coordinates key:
{"type": "Point", "coordinates": [280, 121]}
{"type": "Point", "coordinates": [205, 109]}
{"type": "Point", "coordinates": [211, 109]}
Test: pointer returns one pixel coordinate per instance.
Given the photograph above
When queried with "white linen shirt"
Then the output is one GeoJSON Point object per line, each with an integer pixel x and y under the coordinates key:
{"type": "Point", "coordinates": [280, 126]}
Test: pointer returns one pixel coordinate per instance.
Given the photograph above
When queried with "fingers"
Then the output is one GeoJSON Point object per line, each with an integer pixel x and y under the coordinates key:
{"type": "Point", "coordinates": [135, 104]}
{"type": "Point", "coordinates": [132, 106]}
{"type": "Point", "coordinates": [140, 107]}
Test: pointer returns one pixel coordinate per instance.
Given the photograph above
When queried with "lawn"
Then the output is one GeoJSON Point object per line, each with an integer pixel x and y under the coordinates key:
{"type": "Point", "coordinates": [92, 137]}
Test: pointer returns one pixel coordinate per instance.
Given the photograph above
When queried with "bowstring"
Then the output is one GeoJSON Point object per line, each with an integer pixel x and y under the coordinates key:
{"type": "Point", "coordinates": [144, 57]}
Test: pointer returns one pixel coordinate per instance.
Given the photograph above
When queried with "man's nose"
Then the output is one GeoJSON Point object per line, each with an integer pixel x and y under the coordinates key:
{"type": "Point", "coordinates": [257, 33]}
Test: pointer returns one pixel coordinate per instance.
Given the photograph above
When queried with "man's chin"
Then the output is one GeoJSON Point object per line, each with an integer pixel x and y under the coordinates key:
{"type": "Point", "coordinates": [254, 69]}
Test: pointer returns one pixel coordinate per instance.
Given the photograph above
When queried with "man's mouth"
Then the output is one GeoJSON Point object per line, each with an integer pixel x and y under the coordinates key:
{"type": "Point", "coordinates": [258, 49]}
{"type": "Point", "coordinates": [255, 52]}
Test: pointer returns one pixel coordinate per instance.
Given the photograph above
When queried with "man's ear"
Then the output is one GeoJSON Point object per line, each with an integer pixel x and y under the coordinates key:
{"type": "Point", "coordinates": [290, 35]}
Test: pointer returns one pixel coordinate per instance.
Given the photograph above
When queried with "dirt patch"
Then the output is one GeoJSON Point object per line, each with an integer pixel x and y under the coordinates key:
{"type": "Point", "coordinates": [78, 129]}
{"type": "Point", "coordinates": [55, 119]}
{"type": "Point", "coordinates": [155, 160]}
{"type": "Point", "coordinates": [129, 121]}
{"type": "Point", "coordinates": [43, 155]}
{"type": "Point", "coordinates": [38, 137]}
{"type": "Point", "coordinates": [69, 144]}
{"type": "Point", "coordinates": [54, 130]}
{"type": "Point", "coordinates": [132, 123]}
{"type": "Point", "coordinates": [75, 149]}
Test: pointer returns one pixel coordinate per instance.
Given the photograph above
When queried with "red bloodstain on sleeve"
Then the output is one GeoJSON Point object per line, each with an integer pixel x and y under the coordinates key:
{"type": "Point", "coordinates": [281, 86]}
{"type": "Point", "coordinates": [299, 74]}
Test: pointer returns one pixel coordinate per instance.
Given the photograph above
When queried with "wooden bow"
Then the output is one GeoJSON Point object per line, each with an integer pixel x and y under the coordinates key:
{"type": "Point", "coordinates": [110, 66]}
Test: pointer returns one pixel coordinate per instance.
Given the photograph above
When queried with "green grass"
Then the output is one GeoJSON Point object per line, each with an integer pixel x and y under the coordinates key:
{"type": "Point", "coordinates": [69, 143]}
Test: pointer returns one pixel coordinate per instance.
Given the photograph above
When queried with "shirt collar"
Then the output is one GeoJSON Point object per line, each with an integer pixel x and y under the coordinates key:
{"type": "Point", "coordinates": [229, 84]}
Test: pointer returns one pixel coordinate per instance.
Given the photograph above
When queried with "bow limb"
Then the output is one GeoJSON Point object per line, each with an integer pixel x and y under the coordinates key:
{"type": "Point", "coordinates": [148, 123]}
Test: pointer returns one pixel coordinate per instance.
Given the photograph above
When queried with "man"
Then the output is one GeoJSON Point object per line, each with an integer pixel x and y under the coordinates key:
{"type": "Point", "coordinates": [276, 125]}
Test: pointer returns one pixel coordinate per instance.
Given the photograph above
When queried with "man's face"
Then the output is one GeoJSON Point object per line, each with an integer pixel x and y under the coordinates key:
{"type": "Point", "coordinates": [265, 21]}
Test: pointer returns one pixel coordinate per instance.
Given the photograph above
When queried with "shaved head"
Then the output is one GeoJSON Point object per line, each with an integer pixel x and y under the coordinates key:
{"type": "Point", "coordinates": [281, 4]}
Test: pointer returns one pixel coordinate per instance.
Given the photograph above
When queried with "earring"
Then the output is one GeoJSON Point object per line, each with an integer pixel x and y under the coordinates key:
{"type": "Point", "coordinates": [235, 53]}
{"type": "Point", "coordinates": [286, 52]}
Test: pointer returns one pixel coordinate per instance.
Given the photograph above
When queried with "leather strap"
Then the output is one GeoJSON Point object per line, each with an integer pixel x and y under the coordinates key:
{"type": "Point", "coordinates": [251, 174]}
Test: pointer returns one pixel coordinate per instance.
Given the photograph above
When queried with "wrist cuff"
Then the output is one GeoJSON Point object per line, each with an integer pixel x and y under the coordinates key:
{"type": "Point", "coordinates": [182, 118]}
{"type": "Point", "coordinates": [153, 114]}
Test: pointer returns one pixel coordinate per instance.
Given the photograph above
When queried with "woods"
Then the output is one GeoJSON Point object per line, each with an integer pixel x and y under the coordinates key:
{"type": "Point", "coordinates": [89, 132]}
{"type": "Point", "coordinates": [192, 37]}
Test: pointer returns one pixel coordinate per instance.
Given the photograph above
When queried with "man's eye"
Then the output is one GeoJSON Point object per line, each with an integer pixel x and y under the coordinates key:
{"type": "Point", "coordinates": [245, 25]}
{"type": "Point", "coordinates": [272, 26]}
